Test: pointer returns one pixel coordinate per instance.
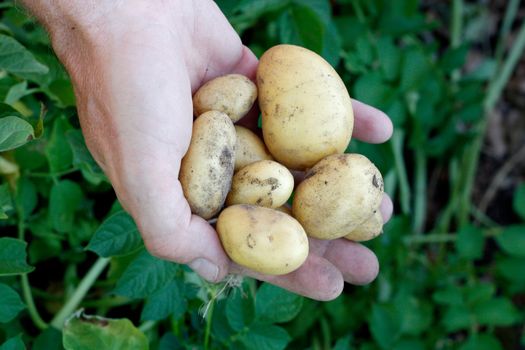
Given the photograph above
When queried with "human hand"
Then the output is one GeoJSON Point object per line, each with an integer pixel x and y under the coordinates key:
{"type": "Point", "coordinates": [134, 66]}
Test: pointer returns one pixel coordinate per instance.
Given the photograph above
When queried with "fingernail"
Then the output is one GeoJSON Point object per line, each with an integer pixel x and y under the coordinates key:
{"type": "Point", "coordinates": [208, 270]}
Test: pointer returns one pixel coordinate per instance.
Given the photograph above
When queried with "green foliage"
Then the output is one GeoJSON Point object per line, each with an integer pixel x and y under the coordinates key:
{"type": "Point", "coordinates": [84, 332]}
{"type": "Point", "coordinates": [444, 283]}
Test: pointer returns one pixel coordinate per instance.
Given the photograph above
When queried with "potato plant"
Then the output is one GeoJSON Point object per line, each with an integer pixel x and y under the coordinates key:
{"type": "Point", "coordinates": [451, 277]}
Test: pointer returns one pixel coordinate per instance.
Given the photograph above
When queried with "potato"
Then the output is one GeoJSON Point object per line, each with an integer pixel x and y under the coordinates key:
{"type": "Point", "coordinates": [371, 228]}
{"type": "Point", "coordinates": [306, 110]}
{"type": "Point", "coordinates": [337, 195]}
{"type": "Point", "coordinates": [207, 168]}
{"type": "Point", "coordinates": [249, 148]}
{"type": "Point", "coordinates": [262, 239]}
{"type": "Point", "coordinates": [265, 183]}
{"type": "Point", "coordinates": [232, 94]}
{"type": "Point", "coordinates": [285, 209]}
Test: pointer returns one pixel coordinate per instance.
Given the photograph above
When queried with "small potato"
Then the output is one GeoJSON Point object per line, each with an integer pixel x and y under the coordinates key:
{"type": "Point", "coordinates": [371, 228]}
{"type": "Point", "coordinates": [232, 94]}
{"type": "Point", "coordinates": [249, 148]}
{"type": "Point", "coordinates": [262, 239]}
{"type": "Point", "coordinates": [306, 110]}
{"type": "Point", "coordinates": [265, 183]}
{"type": "Point", "coordinates": [207, 168]}
{"type": "Point", "coordinates": [337, 195]}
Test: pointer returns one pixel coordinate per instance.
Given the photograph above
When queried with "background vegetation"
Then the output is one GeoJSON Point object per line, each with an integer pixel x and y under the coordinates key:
{"type": "Point", "coordinates": [449, 74]}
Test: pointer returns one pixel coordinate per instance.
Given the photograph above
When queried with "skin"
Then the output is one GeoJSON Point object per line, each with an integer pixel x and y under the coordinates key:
{"type": "Point", "coordinates": [134, 66]}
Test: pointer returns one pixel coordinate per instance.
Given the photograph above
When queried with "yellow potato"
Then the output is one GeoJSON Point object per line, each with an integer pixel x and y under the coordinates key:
{"type": "Point", "coordinates": [233, 94]}
{"type": "Point", "coordinates": [285, 209]}
{"type": "Point", "coordinates": [207, 168]}
{"type": "Point", "coordinates": [265, 183]}
{"type": "Point", "coordinates": [337, 195]}
{"type": "Point", "coordinates": [306, 110]}
{"type": "Point", "coordinates": [249, 148]}
{"type": "Point", "coordinates": [371, 228]}
{"type": "Point", "coordinates": [262, 239]}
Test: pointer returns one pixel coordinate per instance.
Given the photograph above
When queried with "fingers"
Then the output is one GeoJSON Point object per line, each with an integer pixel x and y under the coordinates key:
{"type": "Point", "coordinates": [386, 207]}
{"type": "Point", "coordinates": [357, 263]}
{"type": "Point", "coordinates": [370, 124]}
{"type": "Point", "coordinates": [317, 279]}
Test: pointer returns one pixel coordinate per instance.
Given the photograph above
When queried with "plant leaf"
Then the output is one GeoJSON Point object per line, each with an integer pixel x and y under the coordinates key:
{"type": "Point", "coordinates": [512, 240]}
{"type": "Point", "coordinates": [83, 332]}
{"type": "Point", "coordinates": [16, 59]}
{"type": "Point", "coordinates": [144, 276]}
{"type": "Point", "coordinates": [13, 257]}
{"type": "Point", "coordinates": [10, 303]}
{"type": "Point", "coordinates": [14, 343]}
{"type": "Point", "coordinates": [14, 132]}
{"type": "Point", "coordinates": [265, 337]}
{"type": "Point", "coordinates": [274, 304]}
{"type": "Point", "coordinates": [118, 235]}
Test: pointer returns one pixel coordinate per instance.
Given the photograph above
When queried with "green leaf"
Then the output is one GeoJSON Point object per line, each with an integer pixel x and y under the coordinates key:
{"type": "Point", "coordinates": [454, 58]}
{"type": "Point", "coordinates": [17, 91]}
{"type": "Point", "coordinates": [384, 326]}
{"type": "Point", "coordinates": [470, 242]}
{"type": "Point", "coordinates": [265, 337]}
{"type": "Point", "coordinates": [302, 26]}
{"type": "Point", "coordinates": [82, 158]}
{"type": "Point", "coordinates": [83, 332]}
{"type": "Point", "coordinates": [389, 58]}
{"type": "Point", "coordinates": [343, 343]}
{"type": "Point", "coordinates": [169, 300]}
{"type": "Point", "coordinates": [518, 202]}
{"type": "Point", "coordinates": [409, 344]}
{"type": "Point", "coordinates": [58, 151]}
{"type": "Point", "coordinates": [6, 203]}
{"type": "Point", "coordinates": [512, 240]}
{"type": "Point", "coordinates": [496, 312]}
{"type": "Point", "coordinates": [512, 269]}
{"type": "Point", "coordinates": [479, 292]}
{"type": "Point", "coordinates": [14, 132]}
{"type": "Point", "coordinates": [370, 88]}
{"type": "Point", "coordinates": [10, 304]}
{"type": "Point", "coordinates": [13, 257]}
{"type": "Point", "coordinates": [16, 59]}
{"type": "Point", "coordinates": [274, 304]}
{"type": "Point", "coordinates": [144, 276]}
{"type": "Point", "coordinates": [364, 50]}
{"type": "Point", "coordinates": [457, 318]}
{"type": "Point", "coordinates": [482, 342]}
{"type": "Point", "coordinates": [26, 197]}
{"type": "Point", "coordinates": [14, 343]}
{"type": "Point", "coordinates": [449, 296]}
{"type": "Point", "coordinates": [239, 310]}
{"type": "Point", "coordinates": [49, 339]}
{"type": "Point", "coordinates": [415, 69]}
{"type": "Point", "coordinates": [64, 201]}
{"type": "Point", "coordinates": [117, 235]}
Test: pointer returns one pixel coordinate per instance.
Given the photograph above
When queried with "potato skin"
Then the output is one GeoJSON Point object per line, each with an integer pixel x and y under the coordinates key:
{"type": "Point", "coordinates": [249, 148]}
{"type": "Point", "coordinates": [265, 183]}
{"type": "Point", "coordinates": [306, 110]}
{"type": "Point", "coordinates": [368, 230]}
{"type": "Point", "coordinates": [338, 194]}
{"type": "Point", "coordinates": [233, 94]}
{"type": "Point", "coordinates": [207, 168]}
{"type": "Point", "coordinates": [262, 239]}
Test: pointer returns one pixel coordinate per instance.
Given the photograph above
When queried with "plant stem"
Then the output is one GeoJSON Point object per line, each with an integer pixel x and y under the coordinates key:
{"type": "Point", "coordinates": [80, 292]}
{"type": "Point", "coordinates": [510, 14]}
{"type": "Point", "coordinates": [358, 11]}
{"type": "Point", "coordinates": [420, 198]}
{"type": "Point", "coordinates": [471, 156]}
{"type": "Point", "coordinates": [51, 175]}
{"type": "Point", "coordinates": [456, 24]}
{"type": "Point", "coordinates": [26, 287]}
{"type": "Point", "coordinates": [207, 332]}
{"type": "Point", "coordinates": [404, 187]}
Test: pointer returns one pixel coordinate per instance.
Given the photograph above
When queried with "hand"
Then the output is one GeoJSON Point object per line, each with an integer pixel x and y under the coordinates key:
{"type": "Point", "coordinates": [134, 67]}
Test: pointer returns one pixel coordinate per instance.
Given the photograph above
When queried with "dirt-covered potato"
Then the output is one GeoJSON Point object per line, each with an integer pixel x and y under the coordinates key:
{"type": "Point", "coordinates": [337, 195]}
{"type": "Point", "coordinates": [207, 168]}
{"type": "Point", "coordinates": [265, 183]}
{"type": "Point", "coordinates": [371, 228]}
{"type": "Point", "coordinates": [249, 148]}
{"type": "Point", "coordinates": [262, 239]}
{"type": "Point", "coordinates": [233, 94]}
{"type": "Point", "coordinates": [306, 110]}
